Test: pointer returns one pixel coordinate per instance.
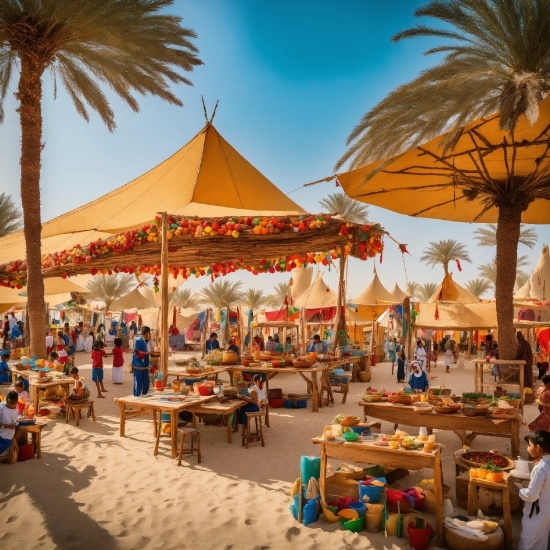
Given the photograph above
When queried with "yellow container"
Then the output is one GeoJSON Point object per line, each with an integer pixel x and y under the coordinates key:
{"type": "Point", "coordinates": [374, 522]}
{"type": "Point", "coordinates": [375, 508]}
{"type": "Point", "coordinates": [473, 473]}
{"type": "Point", "coordinates": [481, 473]}
{"type": "Point", "coordinates": [423, 398]}
{"type": "Point", "coordinates": [392, 523]}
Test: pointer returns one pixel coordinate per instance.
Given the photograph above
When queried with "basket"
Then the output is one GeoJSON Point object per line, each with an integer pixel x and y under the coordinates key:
{"type": "Point", "coordinates": [445, 410]}
{"type": "Point", "coordinates": [364, 376]}
{"type": "Point", "coordinates": [469, 411]}
{"type": "Point", "coordinates": [181, 362]}
{"type": "Point", "coordinates": [301, 364]}
{"type": "Point", "coordinates": [230, 392]}
{"type": "Point", "coordinates": [463, 459]}
{"type": "Point", "coordinates": [401, 399]}
{"type": "Point", "coordinates": [298, 396]}
{"type": "Point", "coordinates": [372, 398]}
{"type": "Point", "coordinates": [506, 414]}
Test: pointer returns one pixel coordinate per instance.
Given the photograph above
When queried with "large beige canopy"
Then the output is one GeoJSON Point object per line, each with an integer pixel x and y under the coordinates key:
{"type": "Point", "coordinates": [449, 291]}
{"type": "Point", "coordinates": [374, 292]}
{"type": "Point", "coordinates": [318, 295]}
{"type": "Point", "coordinates": [139, 298]}
{"type": "Point", "coordinates": [457, 316]}
{"type": "Point", "coordinates": [301, 281]}
{"type": "Point", "coordinates": [398, 294]}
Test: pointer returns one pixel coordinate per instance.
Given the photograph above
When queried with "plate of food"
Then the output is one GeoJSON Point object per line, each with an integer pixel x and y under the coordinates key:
{"type": "Point", "coordinates": [481, 458]}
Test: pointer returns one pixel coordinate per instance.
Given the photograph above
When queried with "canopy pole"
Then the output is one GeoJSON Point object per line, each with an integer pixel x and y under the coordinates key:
{"type": "Point", "coordinates": [341, 299]}
{"type": "Point", "coordinates": [164, 299]}
{"type": "Point", "coordinates": [407, 329]}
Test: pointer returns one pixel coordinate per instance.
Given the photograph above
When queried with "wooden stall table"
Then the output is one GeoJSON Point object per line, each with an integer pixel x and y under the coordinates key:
{"type": "Point", "coordinates": [225, 409]}
{"type": "Point", "coordinates": [316, 371]}
{"type": "Point", "coordinates": [509, 368]}
{"type": "Point", "coordinates": [467, 428]}
{"type": "Point", "coordinates": [181, 372]}
{"type": "Point", "coordinates": [368, 453]}
{"type": "Point", "coordinates": [157, 403]}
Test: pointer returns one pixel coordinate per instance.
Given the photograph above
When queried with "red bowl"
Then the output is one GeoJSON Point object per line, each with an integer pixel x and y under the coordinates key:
{"type": "Point", "coordinates": [205, 390]}
{"type": "Point", "coordinates": [276, 403]}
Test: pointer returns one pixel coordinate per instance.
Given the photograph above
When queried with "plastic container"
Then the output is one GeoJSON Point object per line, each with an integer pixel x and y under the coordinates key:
{"type": "Point", "coordinates": [26, 452]}
{"type": "Point", "coordinates": [276, 403]}
{"type": "Point", "coordinates": [359, 507]}
{"type": "Point", "coordinates": [310, 466]}
{"type": "Point", "coordinates": [354, 525]}
{"type": "Point", "coordinates": [309, 514]}
{"type": "Point", "coordinates": [204, 390]}
{"type": "Point", "coordinates": [301, 403]}
{"type": "Point", "coordinates": [420, 538]}
{"type": "Point", "coordinates": [288, 404]}
{"type": "Point", "coordinates": [374, 522]}
{"type": "Point", "coordinates": [373, 492]}
{"type": "Point", "coordinates": [159, 385]}
{"type": "Point", "coordinates": [392, 525]}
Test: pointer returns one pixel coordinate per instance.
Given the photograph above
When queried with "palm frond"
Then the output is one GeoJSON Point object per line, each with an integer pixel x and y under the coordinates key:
{"type": "Point", "coordinates": [349, 209]}
{"type": "Point", "coordinates": [10, 215]}
{"type": "Point", "coordinates": [425, 291]}
{"type": "Point", "coordinates": [253, 298]}
{"type": "Point", "coordinates": [183, 297]}
{"type": "Point", "coordinates": [412, 288]}
{"type": "Point", "coordinates": [478, 287]}
{"type": "Point", "coordinates": [108, 288]}
{"type": "Point", "coordinates": [443, 252]}
{"type": "Point", "coordinates": [487, 236]}
{"type": "Point", "coordinates": [222, 294]}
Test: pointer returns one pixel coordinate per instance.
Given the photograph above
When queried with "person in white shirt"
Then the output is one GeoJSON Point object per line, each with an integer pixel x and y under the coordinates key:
{"type": "Point", "coordinates": [318, 346]}
{"type": "Point", "coordinates": [421, 354]}
{"type": "Point", "coordinates": [49, 343]}
{"type": "Point", "coordinates": [8, 416]}
{"type": "Point", "coordinates": [12, 320]}
{"type": "Point", "coordinates": [257, 398]}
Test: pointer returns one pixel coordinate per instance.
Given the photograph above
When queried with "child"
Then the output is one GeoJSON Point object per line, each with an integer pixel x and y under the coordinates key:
{"type": "Point", "coordinates": [418, 379]}
{"type": "Point", "coordinates": [80, 390]}
{"type": "Point", "coordinates": [52, 362]}
{"type": "Point", "coordinates": [62, 356]}
{"type": "Point", "coordinates": [4, 369]}
{"type": "Point", "coordinates": [98, 354]}
{"type": "Point", "coordinates": [542, 422]}
{"type": "Point", "coordinates": [23, 397]}
{"type": "Point", "coordinates": [118, 361]}
{"type": "Point", "coordinates": [535, 524]}
{"type": "Point", "coordinates": [8, 416]}
{"type": "Point", "coordinates": [401, 365]}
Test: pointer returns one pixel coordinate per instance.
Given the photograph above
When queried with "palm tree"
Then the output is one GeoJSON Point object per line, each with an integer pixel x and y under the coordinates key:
{"type": "Point", "coordinates": [426, 291]}
{"type": "Point", "coordinates": [478, 287]}
{"type": "Point", "coordinates": [412, 288]}
{"type": "Point", "coordinates": [183, 297]}
{"type": "Point", "coordinates": [222, 294]}
{"type": "Point", "coordinates": [350, 209]}
{"type": "Point", "coordinates": [280, 292]}
{"type": "Point", "coordinates": [498, 60]}
{"type": "Point", "coordinates": [487, 236]}
{"type": "Point", "coordinates": [489, 271]}
{"type": "Point", "coordinates": [253, 299]}
{"type": "Point", "coordinates": [10, 215]}
{"type": "Point", "coordinates": [129, 46]}
{"type": "Point", "coordinates": [443, 252]}
{"type": "Point", "coordinates": [108, 288]}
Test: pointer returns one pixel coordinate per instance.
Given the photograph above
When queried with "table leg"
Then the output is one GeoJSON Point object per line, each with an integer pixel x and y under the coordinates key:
{"type": "Point", "coordinates": [522, 387]}
{"type": "Point", "coordinates": [507, 518]}
{"type": "Point", "coordinates": [472, 498]}
{"type": "Point", "coordinates": [475, 378]}
{"type": "Point", "coordinates": [38, 444]}
{"type": "Point", "coordinates": [315, 393]}
{"type": "Point", "coordinates": [155, 423]}
{"type": "Point", "coordinates": [231, 377]}
{"type": "Point", "coordinates": [364, 413]}
{"type": "Point", "coordinates": [158, 429]}
{"type": "Point", "coordinates": [229, 428]}
{"type": "Point", "coordinates": [34, 398]}
{"type": "Point", "coordinates": [174, 432]}
{"type": "Point", "coordinates": [438, 490]}
{"type": "Point", "coordinates": [267, 377]}
{"type": "Point", "coordinates": [323, 475]}
{"type": "Point", "coordinates": [514, 438]}
{"type": "Point", "coordinates": [122, 414]}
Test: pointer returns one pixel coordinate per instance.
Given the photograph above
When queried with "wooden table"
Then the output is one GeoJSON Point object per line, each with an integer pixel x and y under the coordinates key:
{"type": "Point", "coordinates": [467, 428]}
{"type": "Point", "coordinates": [156, 403]}
{"type": "Point", "coordinates": [182, 372]}
{"type": "Point", "coordinates": [321, 369]}
{"type": "Point", "coordinates": [507, 367]}
{"type": "Point", "coordinates": [223, 409]}
{"type": "Point", "coordinates": [392, 458]}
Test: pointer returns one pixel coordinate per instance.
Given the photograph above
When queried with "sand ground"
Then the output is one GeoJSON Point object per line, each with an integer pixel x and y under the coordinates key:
{"type": "Point", "coordinates": [94, 490]}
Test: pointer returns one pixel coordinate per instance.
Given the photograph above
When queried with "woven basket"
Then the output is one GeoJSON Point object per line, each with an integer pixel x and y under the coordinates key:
{"type": "Point", "coordinates": [275, 393]}
{"type": "Point", "coordinates": [469, 411]}
{"type": "Point", "coordinates": [402, 399]}
{"type": "Point", "coordinates": [371, 398]}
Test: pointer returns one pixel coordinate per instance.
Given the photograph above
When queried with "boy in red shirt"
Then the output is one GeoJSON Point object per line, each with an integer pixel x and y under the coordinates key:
{"type": "Point", "coordinates": [98, 353]}
{"type": "Point", "coordinates": [118, 361]}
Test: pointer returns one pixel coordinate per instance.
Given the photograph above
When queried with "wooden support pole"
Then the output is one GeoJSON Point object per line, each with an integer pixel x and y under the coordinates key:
{"type": "Point", "coordinates": [407, 328]}
{"type": "Point", "coordinates": [164, 299]}
{"type": "Point", "coordinates": [340, 322]}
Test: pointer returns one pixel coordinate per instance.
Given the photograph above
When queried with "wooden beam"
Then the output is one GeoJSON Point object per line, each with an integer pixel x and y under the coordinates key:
{"type": "Point", "coordinates": [164, 300]}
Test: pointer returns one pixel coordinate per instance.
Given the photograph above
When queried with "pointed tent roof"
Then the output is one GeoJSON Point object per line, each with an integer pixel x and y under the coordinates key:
{"type": "Point", "coordinates": [136, 299]}
{"type": "Point", "coordinates": [374, 291]}
{"type": "Point", "coordinates": [540, 278]}
{"type": "Point", "coordinates": [206, 177]}
{"type": "Point", "coordinates": [301, 280]}
{"type": "Point", "coordinates": [318, 295]}
{"type": "Point", "coordinates": [449, 291]}
{"type": "Point", "coordinates": [398, 294]}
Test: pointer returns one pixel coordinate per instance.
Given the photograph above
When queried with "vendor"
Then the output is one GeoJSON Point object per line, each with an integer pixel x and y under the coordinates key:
{"type": "Point", "coordinates": [270, 345]}
{"type": "Point", "coordinates": [289, 348]}
{"type": "Point", "coordinates": [256, 399]}
{"type": "Point", "coordinates": [525, 353]}
{"type": "Point", "coordinates": [258, 341]}
{"type": "Point", "coordinates": [140, 362]}
{"type": "Point", "coordinates": [316, 345]}
{"type": "Point", "coordinates": [4, 367]}
{"type": "Point", "coordinates": [418, 379]}
{"type": "Point", "coordinates": [173, 331]}
{"type": "Point", "coordinates": [233, 346]}
{"type": "Point", "coordinates": [212, 343]}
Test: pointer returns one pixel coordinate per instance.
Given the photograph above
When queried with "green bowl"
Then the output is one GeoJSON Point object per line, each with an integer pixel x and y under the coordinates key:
{"type": "Point", "coordinates": [350, 436]}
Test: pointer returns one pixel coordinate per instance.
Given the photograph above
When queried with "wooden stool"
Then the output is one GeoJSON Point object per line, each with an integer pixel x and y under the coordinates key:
{"type": "Point", "coordinates": [75, 408]}
{"type": "Point", "coordinates": [493, 486]}
{"type": "Point", "coordinates": [250, 436]}
{"type": "Point", "coordinates": [194, 433]}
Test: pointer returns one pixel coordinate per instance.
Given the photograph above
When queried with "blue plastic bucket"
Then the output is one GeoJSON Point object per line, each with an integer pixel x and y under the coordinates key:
{"type": "Point", "coordinates": [310, 466]}
{"type": "Point", "coordinates": [359, 507]}
{"type": "Point", "coordinates": [301, 403]}
{"type": "Point", "coordinates": [310, 512]}
{"type": "Point", "coordinates": [371, 491]}
{"type": "Point", "coordinates": [165, 417]}
{"type": "Point", "coordinates": [288, 404]}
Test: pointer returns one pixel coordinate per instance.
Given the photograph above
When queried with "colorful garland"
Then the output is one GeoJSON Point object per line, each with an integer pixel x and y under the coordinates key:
{"type": "Point", "coordinates": [363, 241]}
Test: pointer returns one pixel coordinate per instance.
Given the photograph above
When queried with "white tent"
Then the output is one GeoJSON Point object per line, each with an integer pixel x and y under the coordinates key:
{"type": "Point", "coordinates": [139, 298]}
{"type": "Point", "coordinates": [374, 293]}
{"type": "Point", "coordinates": [318, 295]}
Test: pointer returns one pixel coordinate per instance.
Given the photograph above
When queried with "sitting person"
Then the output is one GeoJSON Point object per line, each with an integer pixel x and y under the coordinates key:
{"type": "Point", "coordinates": [270, 345]}
{"type": "Point", "coordinates": [4, 369]}
{"type": "Point", "coordinates": [212, 343]}
{"type": "Point", "coordinates": [80, 390]}
{"type": "Point", "coordinates": [25, 382]}
{"type": "Point", "coordinates": [53, 363]}
{"type": "Point", "coordinates": [289, 347]}
{"type": "Point", "coordinates": [233, 346]}
{"type": "Point", "coordinates": [8, 417]}
{"type": "Point", "coordinates": [317, 346]}
{"type": "Point", "coordinates": [542, 422]}
{"type": "Point", "coordinates": [256, 399]}
{"type": "Point", "coordinates": [258, 341]}
{"type": "Point", "coordinates": [23, 396]}
{"type": "Point", "coordinates": [418, 379]}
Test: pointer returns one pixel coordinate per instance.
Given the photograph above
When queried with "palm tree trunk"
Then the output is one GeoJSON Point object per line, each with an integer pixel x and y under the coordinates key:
{"type": "Point", "coordinates": [508, 228]}
{"type": "Point", "coordinates": [29, 95]}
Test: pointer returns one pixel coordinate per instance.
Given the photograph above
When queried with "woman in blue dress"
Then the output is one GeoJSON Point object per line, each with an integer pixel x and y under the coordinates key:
{"type": "Point", "coordinates": [140, 362]}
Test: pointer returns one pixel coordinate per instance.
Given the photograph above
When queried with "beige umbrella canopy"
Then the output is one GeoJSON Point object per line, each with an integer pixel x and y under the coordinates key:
{"type": "Point", "coordinates": [318, 295]}
{"type": "Point", "coordinates": [449, 291]}
{"type": "Point", "coordinates": [374, 292]}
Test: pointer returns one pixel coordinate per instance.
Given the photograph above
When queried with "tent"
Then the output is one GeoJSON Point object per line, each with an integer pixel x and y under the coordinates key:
{"type": "Point", "coordinates": [398, 294]}
{"type": "Point", "coordinates": [139, 298]}
{"type": "Point", "coordinates": [317, 296]}
{"type": "Point", "coordinates": [449, 291]}
{"type": "Point", "coordinates": [457, 316]}
{"type": "Point", "coordinates": [374, 293]}
{"type": "Point", "coordinates": [301, 281]}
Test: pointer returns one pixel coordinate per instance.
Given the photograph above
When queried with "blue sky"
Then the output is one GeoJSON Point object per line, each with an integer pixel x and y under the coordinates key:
{"type": "Point", "coordinates": [293, 78]}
